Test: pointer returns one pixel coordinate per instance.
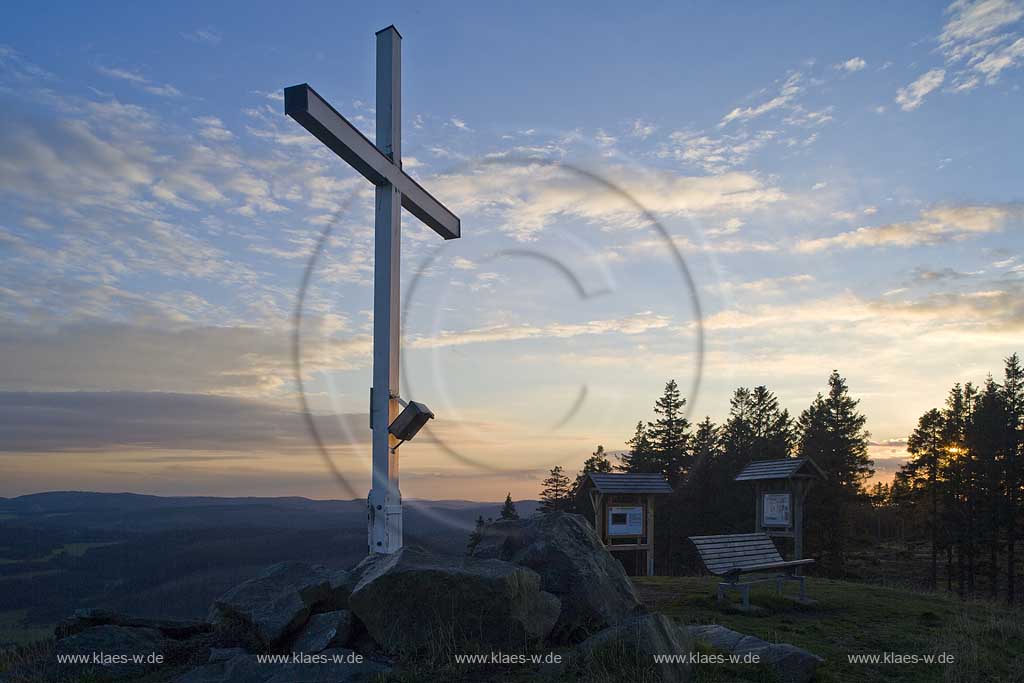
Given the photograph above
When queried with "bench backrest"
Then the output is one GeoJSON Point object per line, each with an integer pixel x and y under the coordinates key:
{"type": "Point", "coordinates": [727, 553]}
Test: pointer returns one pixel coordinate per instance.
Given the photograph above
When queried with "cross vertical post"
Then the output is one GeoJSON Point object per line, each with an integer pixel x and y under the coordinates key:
{"type": "Point", "coordinates": [385, 499]}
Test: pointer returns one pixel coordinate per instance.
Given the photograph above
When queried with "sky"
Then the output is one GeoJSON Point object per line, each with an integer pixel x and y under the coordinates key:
{"type": "Point", "coordinates": [721, 194]}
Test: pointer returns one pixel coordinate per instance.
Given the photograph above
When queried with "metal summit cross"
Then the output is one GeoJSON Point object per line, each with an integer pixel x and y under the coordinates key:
{"type": "Point", "coordinates": [381, 164]}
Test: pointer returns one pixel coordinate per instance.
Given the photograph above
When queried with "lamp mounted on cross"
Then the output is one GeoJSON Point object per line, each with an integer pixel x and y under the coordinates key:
{"type": "Point", "coordinates": [381, 164]}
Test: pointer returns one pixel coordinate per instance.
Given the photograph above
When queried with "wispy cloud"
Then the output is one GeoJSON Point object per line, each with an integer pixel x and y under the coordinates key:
{"type": "Point", "coordinates": [910, 97]}
{"type": "Point", "coordinates": [634, 324]}
{"type": "Point", "coordinates": [531, 196]}
{"type": "Point", "coordinates": [208, 35]}
{"type": "Point", "coordinates": [851, 65]}
{"type": "Point", "coordinates": [934, 225]}
{"type": "Point", "coordinates": [983, 38]}
{"type": "Point", "coordinates": [140, 81]}
{"type": "Point", "coordinates": [790, 88]}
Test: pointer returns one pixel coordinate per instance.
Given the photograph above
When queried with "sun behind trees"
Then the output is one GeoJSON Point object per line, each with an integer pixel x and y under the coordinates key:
{"type": "Point", "coordinates": [961, 488]}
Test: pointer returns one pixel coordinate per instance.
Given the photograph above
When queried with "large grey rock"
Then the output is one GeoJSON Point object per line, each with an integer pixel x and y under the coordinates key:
{"type": "Point", "coordinates": [573, 564]}
{"type": "Point", "coordinates": [274, 604]}
{"type": "Point", "coordinates": [626, 652]}
{"type": "Point", "coordinates": [323, 630]}
{"type": "Point", "coordinates": [414, 601]}
{"type": "Point", "coordinates": [334, 666]}
{"type": "Point", "coordinates": [791, 663]}
{"type": "Point", "coordinates": [109, 644]}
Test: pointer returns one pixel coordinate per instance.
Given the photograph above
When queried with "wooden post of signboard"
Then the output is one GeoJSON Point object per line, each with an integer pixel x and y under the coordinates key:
{"type": "Point", "coordinates": [650, 536]}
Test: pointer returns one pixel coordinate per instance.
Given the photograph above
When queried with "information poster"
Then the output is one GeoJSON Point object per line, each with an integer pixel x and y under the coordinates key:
{"type": "Point", "coordinates": [626, 521]}
{"type": "Point", "coordinates": [777, 509]}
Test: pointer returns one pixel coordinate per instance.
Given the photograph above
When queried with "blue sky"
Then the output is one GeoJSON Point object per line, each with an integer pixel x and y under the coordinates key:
{"type": "Point", "coordinates": [842, 182]}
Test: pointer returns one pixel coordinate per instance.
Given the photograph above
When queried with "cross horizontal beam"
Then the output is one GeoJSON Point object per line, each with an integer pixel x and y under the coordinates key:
{"type": "Point", "coordinates": [314, 114]}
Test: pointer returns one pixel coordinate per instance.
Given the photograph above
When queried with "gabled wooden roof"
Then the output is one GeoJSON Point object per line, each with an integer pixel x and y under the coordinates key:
{"type": "Point", "coordinates": [630, 482]}
{"type": "Point", "coordinates": [786, 468]}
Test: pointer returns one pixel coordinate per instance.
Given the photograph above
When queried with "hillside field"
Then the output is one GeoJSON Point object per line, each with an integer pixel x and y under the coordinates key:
{"type": "Point", "coordinates": [986, 640]}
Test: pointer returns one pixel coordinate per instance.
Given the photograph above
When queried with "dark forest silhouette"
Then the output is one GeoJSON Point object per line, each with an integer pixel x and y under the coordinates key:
{"type": "Point", "coordinates": [958, 496]}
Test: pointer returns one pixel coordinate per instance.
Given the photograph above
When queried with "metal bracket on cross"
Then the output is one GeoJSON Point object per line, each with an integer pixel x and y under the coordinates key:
{"type": "Point", "coordinates": [381, 164]}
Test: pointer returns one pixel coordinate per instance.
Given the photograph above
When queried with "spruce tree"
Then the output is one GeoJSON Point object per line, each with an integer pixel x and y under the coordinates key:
{"type": "Point", "coordinates": [1013, 401]}
{"type": "Point", "coordinates": [640, 457]}
{"type": "Point", "coordinates": [986, 438]}
{"type": "Point", "coordinates": [669, 433]}
{"type": "Point", "coordinates": [476, 535]}
{"type": "Point", "coordinates": [508, 510]}
{"type": "Point", "coordinates": [832, 433]}
{"type": "Point", "coordinates": [927, 448]}
{"type": "Point", "coordinates": [554, 496]}
{"type": "Point", "coordinates": [597, 462]}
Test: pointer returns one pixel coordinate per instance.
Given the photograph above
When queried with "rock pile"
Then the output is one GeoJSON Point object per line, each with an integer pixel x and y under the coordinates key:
{"type": "Point", "coordinates": [541, 585]}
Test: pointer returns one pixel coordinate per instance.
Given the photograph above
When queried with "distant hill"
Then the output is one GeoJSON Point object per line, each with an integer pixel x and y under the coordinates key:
{"type": "Point", "coordinates": [171, 556]}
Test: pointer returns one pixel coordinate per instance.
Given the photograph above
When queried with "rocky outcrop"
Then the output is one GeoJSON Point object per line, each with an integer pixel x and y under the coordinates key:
{"type": "Point", "coordinates": [323, 630]}
{"type": "Point", "coordinates": [271, 606]}
{"type": "Point", "coordinates": [792, 664]}
{"type": "Point", "coordinates": [412, 601]}
{"type": "Point", "coordinates": [573, 565]}
{"type": "Point", "coordinates": [626, 652]}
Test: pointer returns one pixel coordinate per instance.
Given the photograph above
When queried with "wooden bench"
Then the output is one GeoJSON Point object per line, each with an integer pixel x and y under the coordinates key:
{"type": "Point", "coordinates": [733, 555]}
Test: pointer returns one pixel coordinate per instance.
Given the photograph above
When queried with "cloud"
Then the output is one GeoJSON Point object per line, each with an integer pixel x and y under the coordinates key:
{"type": "Point", "coordinates": [768, 285]}
{"type": "Point", "coordinates": [642, 130]}
{"type": "Point", "coordinates": [967, 316]}
{"type": "Point", "coordinates": [14, 66]}
{"type": "Point", "coordinates": [139, 81]}
{"type": "Point", "coordinates": [208, 35]}
{"type": "Point", "coordinates": [123, 420]}
{"type": "Point", "coordinates": [979, 37]}
{"type": "Point", "coordinates": [911, 97]}
{"type": "Point", "coordinates": [157, 353]}
{"type": "Point", "coordinates": [529, 196]}
{"type": "Point", "coordinates": [851, 65]}
{"type": "Point", "coordinates": [634, 324]}
{"type": "Point", "coordinates": [715, 154]}
{"type": "Point", "coordinates": [730, 227]}
{"type": "Point", "coordinates": [212, 128]}
{"type": "Point", "coordinates": [790, 88]}
{"type": "Point", "coordinates": [939, 275]}
{"type": "Point", "coordinates": [935, 225]}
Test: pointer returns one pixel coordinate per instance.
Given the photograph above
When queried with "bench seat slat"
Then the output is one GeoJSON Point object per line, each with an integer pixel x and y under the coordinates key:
{"type": "Point", "coordinates": [733, 546]}
{"type": "Point", "coordinates": [760, 547]}
{"type": "Point", "coordinates": [758, 558]}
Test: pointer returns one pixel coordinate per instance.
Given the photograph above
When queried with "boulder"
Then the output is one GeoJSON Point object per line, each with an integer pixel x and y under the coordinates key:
{"type": "Point", "coordinates": [414, 601]}
{"type": "Point", "coordinates": [792, 664]}
{"type": "Point", "coordinates": [626, 652]}
{"type": "Point", "coordinates": [573, 565]}
{"type": "Point", "coordinates": [112, 651]}
{"type": "Point", "coordinates": [274, 604]}
{"type": "Point", "coordinates": [323, 630]}
{"type": "Point", "coordinates": [332, 666]}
